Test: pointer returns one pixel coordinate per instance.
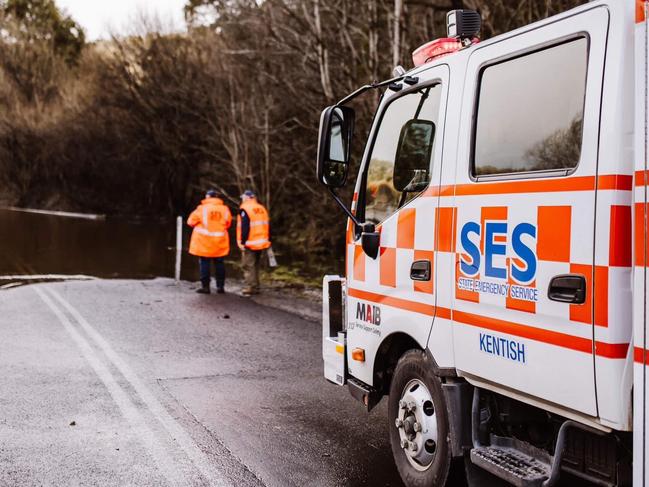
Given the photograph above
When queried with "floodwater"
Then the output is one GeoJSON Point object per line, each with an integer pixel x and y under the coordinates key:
{"type": "Point", "coordinates": [33, 243]}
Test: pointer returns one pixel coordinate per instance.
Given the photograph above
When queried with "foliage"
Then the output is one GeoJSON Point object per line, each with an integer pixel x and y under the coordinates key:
{"type": "Point", "coordinates": [41, 21]}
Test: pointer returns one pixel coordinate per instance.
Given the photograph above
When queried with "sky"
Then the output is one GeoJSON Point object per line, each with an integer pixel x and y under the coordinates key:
{"type": "Point", "coordinates": [101, 17]}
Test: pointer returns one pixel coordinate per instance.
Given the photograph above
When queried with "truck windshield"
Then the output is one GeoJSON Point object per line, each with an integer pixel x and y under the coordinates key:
{"type": "Point", "coordinates": [381, 197]}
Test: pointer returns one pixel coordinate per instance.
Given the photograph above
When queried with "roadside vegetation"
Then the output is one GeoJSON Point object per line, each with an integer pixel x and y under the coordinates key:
{"type": "Point", "coordinates": [141, 125]}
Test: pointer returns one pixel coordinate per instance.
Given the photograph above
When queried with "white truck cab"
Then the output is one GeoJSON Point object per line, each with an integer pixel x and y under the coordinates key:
{"type": "Point", "coordinates": [497, 251]}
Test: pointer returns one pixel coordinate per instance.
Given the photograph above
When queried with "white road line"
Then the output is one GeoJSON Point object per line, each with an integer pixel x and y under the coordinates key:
{"type": "Point", "coordinates": [208, 471]}
{"type": "Point", "coordinates": [126, 406]}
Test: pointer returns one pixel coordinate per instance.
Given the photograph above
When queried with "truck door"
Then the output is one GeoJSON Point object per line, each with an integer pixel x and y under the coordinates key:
{"type": "Point", "coordinates": [526, 182]}
{"type": "Point", "coordinates": [395, 292]}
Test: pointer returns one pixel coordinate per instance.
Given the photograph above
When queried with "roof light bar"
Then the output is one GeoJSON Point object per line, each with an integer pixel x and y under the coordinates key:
{"type": "Point", "coordinates": [435, 49]}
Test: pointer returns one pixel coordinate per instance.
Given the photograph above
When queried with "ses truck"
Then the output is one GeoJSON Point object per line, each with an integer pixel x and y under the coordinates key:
{"type": "Point", "coordinates": [497, 246]}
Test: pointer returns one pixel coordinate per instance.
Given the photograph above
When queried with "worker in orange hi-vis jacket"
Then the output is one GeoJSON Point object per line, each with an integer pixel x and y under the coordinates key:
{"type": "Point", "coordinates": [253, 237]}
{"type": "Point", "coordinates": [210, 241]}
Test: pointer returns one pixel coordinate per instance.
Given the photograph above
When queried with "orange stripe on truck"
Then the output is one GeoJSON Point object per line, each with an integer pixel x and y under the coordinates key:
{"type": "Point", "coordinates": [640, 355]}
{"type": "Point", "coordinates": [619, 182]}
{"type": "Point", "coordinates": [620, 236]}
{"type": "Point", "coordinates": [571, 342]}
{"type": "Point", "coordinates": [424, 309]}
{"type": "Point", "coordinates": [579, 344]}
{"type": "Point", "coordinates": [581, 183]}
{"type": "Point", "coordinates": [639, 11]}
{"type": "Point", "coordinates": [639, 234]}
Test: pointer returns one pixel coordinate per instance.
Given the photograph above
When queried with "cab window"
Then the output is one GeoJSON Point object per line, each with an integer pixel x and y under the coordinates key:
{"type": "Point", "coordinates": [400, 162]}
{"type": "Point", "coordinates": [530, 112]}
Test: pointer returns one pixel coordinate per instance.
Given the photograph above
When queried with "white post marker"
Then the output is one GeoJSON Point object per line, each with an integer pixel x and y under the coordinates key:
{"type": "Point", "coordinates": [179, 246]}
{"type": "Point", "coordinates": [272, 261]}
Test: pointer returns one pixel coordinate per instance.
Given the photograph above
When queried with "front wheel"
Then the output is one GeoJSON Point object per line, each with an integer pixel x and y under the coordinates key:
{"type": "Point", "coordinates": [419, 432]}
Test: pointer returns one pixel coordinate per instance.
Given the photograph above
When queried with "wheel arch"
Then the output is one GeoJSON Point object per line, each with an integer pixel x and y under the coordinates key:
{"type": "Point", "coordinates": [388, 354]}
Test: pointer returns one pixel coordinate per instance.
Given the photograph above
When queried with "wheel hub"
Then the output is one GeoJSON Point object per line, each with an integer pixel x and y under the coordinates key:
{"type": "Point", "coordinates": [408, 426]}
{"type": "Point", "coordinates": [417, 424]}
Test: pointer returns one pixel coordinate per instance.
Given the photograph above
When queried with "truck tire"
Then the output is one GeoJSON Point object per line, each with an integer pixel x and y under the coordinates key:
{"type": "Point", "coordinates": [418, 422]}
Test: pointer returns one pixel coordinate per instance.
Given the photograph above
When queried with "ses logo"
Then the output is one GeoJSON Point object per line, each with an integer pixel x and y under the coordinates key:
{"type": "Point", "coordinates": [498, 244]}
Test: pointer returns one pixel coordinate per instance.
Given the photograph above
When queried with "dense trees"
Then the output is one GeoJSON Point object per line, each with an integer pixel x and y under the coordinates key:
{"type": "Point", "coordinates": [142, 125]}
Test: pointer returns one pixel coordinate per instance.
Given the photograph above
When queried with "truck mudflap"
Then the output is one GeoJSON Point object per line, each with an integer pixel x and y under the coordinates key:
{"type": "Point", "coordinates": [333, 334]}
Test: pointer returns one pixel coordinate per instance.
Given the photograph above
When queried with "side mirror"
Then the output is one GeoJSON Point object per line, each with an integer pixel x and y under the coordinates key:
{"type": "Point", "coordinates": [334, 145]}
{"type": "Point", "coordinates": [412, 162]}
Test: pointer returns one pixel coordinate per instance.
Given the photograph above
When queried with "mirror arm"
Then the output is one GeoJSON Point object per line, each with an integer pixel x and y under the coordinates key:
{"type": "Point", "coordinates": [371, 86]}
{"type": "Point", "coordinates": [344, 207]}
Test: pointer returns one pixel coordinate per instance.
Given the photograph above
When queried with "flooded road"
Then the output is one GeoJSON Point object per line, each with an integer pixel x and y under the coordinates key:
{"type": "Point", "coordinates": [32, 243]}
{"type": "Point", "coordinates": [44, 243]}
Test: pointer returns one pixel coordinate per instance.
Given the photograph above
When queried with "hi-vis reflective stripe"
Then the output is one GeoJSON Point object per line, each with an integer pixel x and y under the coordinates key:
{"type": "Point", "coordinates": [203, 231]}
{"type": "Point", "coordinates": [563, 340]}
{"type": "Point", "coordinates": [204, 217]}
{"type": "Point", "coordinates": [258, 224]}
{"type": "Point", "coordinates": [257, 242]}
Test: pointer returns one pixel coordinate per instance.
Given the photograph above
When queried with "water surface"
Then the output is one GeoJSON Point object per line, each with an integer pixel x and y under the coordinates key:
{"type": "Point", "coordinates": [51, 244]}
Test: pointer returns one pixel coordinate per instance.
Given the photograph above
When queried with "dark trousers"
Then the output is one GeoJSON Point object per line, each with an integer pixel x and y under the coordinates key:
{"type": "Point", "coordinates": [205, 263]}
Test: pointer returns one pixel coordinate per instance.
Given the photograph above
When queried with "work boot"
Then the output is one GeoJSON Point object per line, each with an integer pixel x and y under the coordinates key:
{"type": "Point", "coordinates": [205, 287]}
{"type": "Point", "coordinates": [220, 290]}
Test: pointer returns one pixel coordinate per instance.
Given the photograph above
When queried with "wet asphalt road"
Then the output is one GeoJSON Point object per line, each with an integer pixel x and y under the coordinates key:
{"type": "Point", "coordinates": [147, 383]}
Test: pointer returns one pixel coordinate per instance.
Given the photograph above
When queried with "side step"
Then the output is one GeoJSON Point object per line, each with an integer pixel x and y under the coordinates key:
{"type": "Point", "coordinates": [516, 461]}
{"type": "Point", "coordinates": [513, 461]}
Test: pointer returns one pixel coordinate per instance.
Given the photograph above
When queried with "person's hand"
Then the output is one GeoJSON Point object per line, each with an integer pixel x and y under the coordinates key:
{"type": "Point", "coordinates": [241, 247]}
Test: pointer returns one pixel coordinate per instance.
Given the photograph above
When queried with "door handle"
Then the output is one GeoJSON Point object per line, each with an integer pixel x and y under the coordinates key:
{"type": "Point", "coordinates": [568, 288]}
{"type": "Point", "coordinates": [420, 270]}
